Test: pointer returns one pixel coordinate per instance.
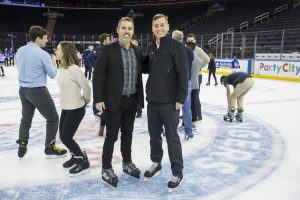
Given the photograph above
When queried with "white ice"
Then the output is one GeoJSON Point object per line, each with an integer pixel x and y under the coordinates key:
{"type": "Point", "coordinates": [258, 159]}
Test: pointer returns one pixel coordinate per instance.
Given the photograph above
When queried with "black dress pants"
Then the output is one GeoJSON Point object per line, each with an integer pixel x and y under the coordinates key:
{"type": "Point", "coordinates": [122, 119]}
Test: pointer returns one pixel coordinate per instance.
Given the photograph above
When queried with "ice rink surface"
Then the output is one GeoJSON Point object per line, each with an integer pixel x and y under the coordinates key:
{"type": "Point", "coordinates": [257, 159]}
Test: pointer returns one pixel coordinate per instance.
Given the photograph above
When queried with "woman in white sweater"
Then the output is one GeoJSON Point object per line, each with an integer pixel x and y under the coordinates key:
{"type": "Point", "coordinates": [75, 94]}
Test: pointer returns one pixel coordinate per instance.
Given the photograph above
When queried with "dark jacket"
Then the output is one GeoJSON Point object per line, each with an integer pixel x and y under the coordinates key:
{"type": "Point", "coordinates": [190, 55]}
{"type": "Point", "coordinates": [89, 59]}
{"type": "Point", "coordinates": [98, 49]}
{"type": "Point", "coordinates": [212, 65]}
{"type": "Point", "coordinates": [168, 72]}
{"type": "Point", "coordinates": [108, 77]}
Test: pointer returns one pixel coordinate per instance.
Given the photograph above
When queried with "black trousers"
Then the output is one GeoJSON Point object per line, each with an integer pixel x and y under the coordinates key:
{"type": "Point", "coordinates": [166, 115]}
{"type": "Point", "coordinates": [68, 125]}
{"type": "Point", "coordinates": [88, 72]}
{"type": "Point", "coordinates": [122, 119]}
{"type": "Point", "coordinates": [2, 70]}
{"type": "Point", "coordinates": [213, 72]}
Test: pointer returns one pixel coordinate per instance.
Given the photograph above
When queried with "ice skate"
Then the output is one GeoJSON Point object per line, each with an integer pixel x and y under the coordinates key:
{"type": "Point", "coordinates": [174, 182]}
{"type": "Point", "coordinates": [22, 148]}
{"type": "Point", "coordinates": [239, 117]}
{"type": "Point", "coordinates": [110, 177]}
{"type": "Point", "coordinates": [82, 166]}
{"type": "Point", "coordinates": [229, 116]}
{"type": "Point", "coordinates": [130, 169]}
{"type": "Point", "coordinates": [153, 171]}
{"type": "Point", "coordinates": [71, 162]}
{"type": "Point", "coordinates": [53, 151]}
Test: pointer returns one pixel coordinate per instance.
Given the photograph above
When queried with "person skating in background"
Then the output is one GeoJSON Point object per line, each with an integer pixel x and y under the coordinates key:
{"type": "Point", "coordinates": [197, 111]}
{"type": "Point", "coordinates": [212, 69]}
{"type": "Point", "coordinates": [235, 65]}
{"type": "Point", "coordinates": [34, 64]}
{"type": "Point", "coordinates": [89, 60]}
{"type": "Point", "coordinates": [104, 40]}
{"type": "Point", "coordinates": [2, 63]}
{"type": "Point", "coordinates": [186, 109]}
{"type": "Point", "coordinates": [242, 83]}
{"type": "Point", "coordinates": [72, 82]}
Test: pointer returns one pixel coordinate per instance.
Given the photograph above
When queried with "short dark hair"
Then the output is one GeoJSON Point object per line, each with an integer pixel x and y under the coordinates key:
{"type": "Point", "coordinates": [103, 37]}
{"type": "Point", "coordinates": [222, 79]}
{"type": "Point", "coordinates": [192, 35]}
{"type": "Point", "coordinates": [37, 31]}
{"type": "Point", "coordinates": [157, 16]}
{"type": "Point", "coordinates": [125, 19]}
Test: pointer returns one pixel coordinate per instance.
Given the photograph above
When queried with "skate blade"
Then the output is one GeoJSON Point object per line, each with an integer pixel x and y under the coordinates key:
{"type": "Point", "coordinates": [228, 120]}
{"type": "Point", "coordinates": [131, 174]}
{"type": "Point", "coordinates": [55, 156]}
{"type": "Point", "coordinates": [148, 178]}
{"type": "Point", "coordinates": [111, 184]}
{"type": "Point", "coordinates": [83, 172]}
{"type": "Point", "coordinates": [68, 168]}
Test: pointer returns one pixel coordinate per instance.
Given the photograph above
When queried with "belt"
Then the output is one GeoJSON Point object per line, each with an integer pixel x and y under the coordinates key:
{"type": "Point", "coordinates": [128, 96]}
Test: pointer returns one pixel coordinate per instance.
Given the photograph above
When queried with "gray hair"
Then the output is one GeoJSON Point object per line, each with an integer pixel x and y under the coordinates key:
{"type": "Point", "coordinates": [177, 35]}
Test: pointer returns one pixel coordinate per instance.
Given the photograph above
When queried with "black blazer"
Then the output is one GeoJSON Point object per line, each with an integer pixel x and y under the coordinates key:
{"type": "Point", "coordinates": [108, 77]}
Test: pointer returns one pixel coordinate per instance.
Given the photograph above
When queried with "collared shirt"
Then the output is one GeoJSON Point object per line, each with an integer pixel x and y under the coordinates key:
{"type": "Point", "coordinates": [34, 64]}
{"type": "Point", "coordinates": [130, 70]}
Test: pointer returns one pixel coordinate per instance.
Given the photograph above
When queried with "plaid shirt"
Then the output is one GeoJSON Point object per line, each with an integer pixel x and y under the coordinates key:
{"type": "Point", "coordinates": [130, 70]}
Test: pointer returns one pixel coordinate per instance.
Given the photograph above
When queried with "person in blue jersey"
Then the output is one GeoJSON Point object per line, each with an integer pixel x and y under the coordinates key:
{"type": "Point", "coordinates": [34, 65]}
{"type": "Point", "coordinates": [235, 65]}
{"type": "Point", "coordinates": [6, 56]}
{"type": "Point", "coordinates": [11, 54]}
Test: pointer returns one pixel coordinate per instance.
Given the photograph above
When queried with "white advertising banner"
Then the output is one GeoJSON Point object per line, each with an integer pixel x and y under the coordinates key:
{"type": "Point", "coordinates": [277, 68]}
{"type": "Point", "coordinates": [224, 65]}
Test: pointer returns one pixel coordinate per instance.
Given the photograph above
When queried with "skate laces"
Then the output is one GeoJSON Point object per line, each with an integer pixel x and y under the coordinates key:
{"type": "Point", "coordinates": [153, 166]}
{"type": "Point", "coordinates": [175, 179]}
{"type": "Point", "coordinates": [110, 172]}
{"type": "Point", "coordinates": [56, 148]}
{"type": "Point", "coordinates": [129, 165]}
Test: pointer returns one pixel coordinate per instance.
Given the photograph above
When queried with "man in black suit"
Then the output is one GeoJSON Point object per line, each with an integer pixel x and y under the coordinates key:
{"type": "Point", "coordinates": [118, 88]}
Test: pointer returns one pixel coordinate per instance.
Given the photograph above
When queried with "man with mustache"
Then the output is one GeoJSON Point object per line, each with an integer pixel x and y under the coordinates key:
{"type": "Point", "coordinates": [118, 87]}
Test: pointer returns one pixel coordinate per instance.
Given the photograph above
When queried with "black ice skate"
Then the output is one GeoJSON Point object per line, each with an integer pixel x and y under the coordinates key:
{"type": "Point", "coordinates": [53, 151]}
{"type": "Point", "coordinates": [82, 166]}
{"type": "Point", "coordinates": [155, 167]}
{"type": "Point", "coordinates": [131, 169]}
{"type": "Point", "coordinates": [71, 162]}
{"type": "Point", "coordinates": [22, 148]}
{"type": "Point", "coordinates": [174, 182]}
{"type": "Point", "coordinates": [110, 177]}
{"type": "Point", "coordinates": [229, 116]}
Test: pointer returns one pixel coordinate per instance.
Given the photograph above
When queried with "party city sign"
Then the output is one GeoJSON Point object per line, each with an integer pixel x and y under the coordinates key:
{"type": "Point", "coordinates": [278, 68]}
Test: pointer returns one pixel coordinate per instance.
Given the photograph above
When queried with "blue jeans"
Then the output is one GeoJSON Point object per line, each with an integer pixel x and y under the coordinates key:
{"type": "Point", "coordinates": [186, 112]}
{"type": "Point", "coordinates": [198, 103]}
